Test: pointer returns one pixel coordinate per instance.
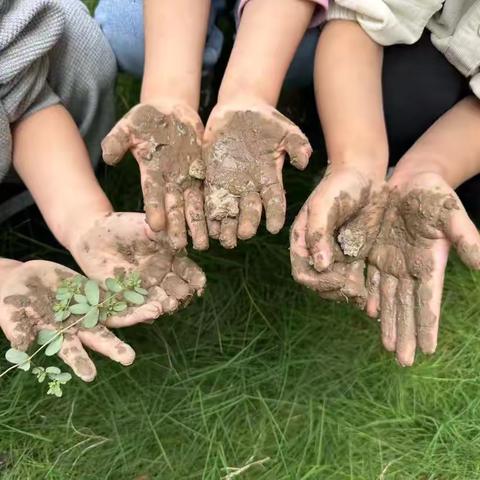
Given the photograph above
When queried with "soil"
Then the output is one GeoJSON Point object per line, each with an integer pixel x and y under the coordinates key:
{"type": "Point", "coordinates": [169, 151]}
{"type": "Point", "coordinates": [243, 157]}
{"type": "Point", "coordinates": [403, 250]}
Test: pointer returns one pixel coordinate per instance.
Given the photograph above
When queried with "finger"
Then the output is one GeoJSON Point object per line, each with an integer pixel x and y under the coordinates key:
{"type": "Point", "coordinates": [428, 300]}
{"type": "Point", "coordinates": [117, 143]}
{"type": "Point", "coordinates": [373, 291]}
{"type": "Point", "coordinates": [133, 316]}
{"type": "Point", "coordinates": [75, 356]}
{"type": "Point", "coordinates": [17, 326]}
{"type": "Point", "coordinates": [250, 215]}
{"type": "Point", "coordinates": [405, 313]}
{"type": "Point", "coordinates": [298, 148]}
{"type": "Point", "coordinates": [154, 204]}
{"type": "Point", "coordinates": [106, 343]}
{"type": "Point", "coordinates": [175, 287]}
{"type": "Point", "coordinates": [228, 232]}
{"type": "Point", "coordinates": [388, 314]}
{"type": "Point", "coordinates": [196, 218]}
{"type": "Point", "coordinates": [355, 289]}
{"type": "Point", "coordinates": [275, 204]}
{"type": "Point", "coordinates": [176, 227]}
{"type": "Point", "coordinates": [464, 235]}
{"type": "Point", "coordinates": [164, 303]}
{"type": "Point", "coordinates": [189, 271]}
{"type": "Point", "coordinates": [214, 228]}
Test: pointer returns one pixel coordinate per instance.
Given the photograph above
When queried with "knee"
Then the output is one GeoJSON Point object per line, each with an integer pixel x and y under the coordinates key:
{"type": "Point", "coordinates": [122, 25]}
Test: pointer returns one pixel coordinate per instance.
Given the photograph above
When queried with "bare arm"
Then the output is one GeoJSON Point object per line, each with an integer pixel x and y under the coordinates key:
{"type": "Point", "coordinates": [175, 33]}
{"type": "Point", "coordinates": [269, 34]}
{"type": "Point", "coordinates": [450, 148]}
{"type": "Point", "coordinates": [51, 158]}
{"type": "Point", "coordinates": [348, 88]}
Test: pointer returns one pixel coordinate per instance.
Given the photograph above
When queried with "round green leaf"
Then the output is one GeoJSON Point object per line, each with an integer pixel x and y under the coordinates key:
{"type": "Point", "coordinates": [80, 298]}
{"type": "Point", "coordinates": [114, 285]}
{"type": "Point", "coordinates": [54, 347]}
{"type": "Point", "coordinates": [91, 318]}
{"type": "Point", "coordinates": [45, 336]}
{"type": "Point", "coordinates": [133, 297]}
{"type": "Point", "coordinates": [61, 377]}
{"type": "Point", "coordinates": [120, 307]}
{"type": "Point", "coordinates": [141, 291]}
{"type": "Point", "coordinates": [25, 366]}
{"type": "Point", "coordinates": [63, 296]}
{"type": "Point", "coordinates": [80, 308]}
{"type": "Point", "coordinates": [53, 370]}
{"type": "Point", "coordinates": [92, 292]}
{"type": "Point", "coordinates": [16, 356]}
{"type": "Point", "coordinates": [59, 316]}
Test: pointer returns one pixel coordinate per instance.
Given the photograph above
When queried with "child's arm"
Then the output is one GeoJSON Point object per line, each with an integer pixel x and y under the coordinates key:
{"type": "Point", "coordinates": [349, 98]}
{"type": "Point", "coordinates": [51, 159]}
{"type": "Point", "coordinates": [423, 219]}
{"type": "Point", "coordinates": [175, 34]}
{"type": "Point", "coordinates": [246, 139]}
{"type": "Point", "coordinates": [164, 132]}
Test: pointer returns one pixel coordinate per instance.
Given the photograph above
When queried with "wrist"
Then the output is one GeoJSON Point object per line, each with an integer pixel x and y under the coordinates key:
{"type": "Point", "coordinates": [373, 166]}
{"type": "Point", "coordinates": [246, 92]}
{"type": "Point", "coordinates": [79, 221]}
{"type": "Point", "coordinates": [411, 166]}
{"type": "Point", "coordinates": [173, 90]}
{"type": "Point", "coordinates": [6, 266]}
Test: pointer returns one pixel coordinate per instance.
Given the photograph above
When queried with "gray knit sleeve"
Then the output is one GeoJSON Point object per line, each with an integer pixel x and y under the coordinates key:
{"type": "Point", "coordinates": [29, 29]}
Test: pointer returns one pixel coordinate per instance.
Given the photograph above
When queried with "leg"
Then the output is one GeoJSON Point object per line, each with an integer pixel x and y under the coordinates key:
{"type": "Point", "coordinates": [122, 24]}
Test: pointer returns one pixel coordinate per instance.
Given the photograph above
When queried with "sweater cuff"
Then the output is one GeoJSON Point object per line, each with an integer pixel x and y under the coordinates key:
{"type": "Point", "coordinates": [336, 12]}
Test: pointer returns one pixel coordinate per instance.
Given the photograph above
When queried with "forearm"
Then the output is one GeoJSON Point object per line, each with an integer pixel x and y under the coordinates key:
{"type": "Point", "coordinates": [175, 34]}
{"type": "Point", "coordinates": [51, 158]}
{"type": "Point", "coordinates": [450, 148]}
{"type": "Point", "coordinates": [268, 37]}
{"type": "Point", "coordinates": [348, 87]}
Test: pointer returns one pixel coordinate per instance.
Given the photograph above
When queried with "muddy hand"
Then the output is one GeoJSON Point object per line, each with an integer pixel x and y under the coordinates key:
{"type": "Point", "coordinates": [334, 232]}
{"type": "Point", "coordinates": [166, 142]}
{"type": "Point", "coordinates": [121, 243]}
{"type": "Point", "coordinates": [407, 262]}
{"type": "Point", "coordinates": [244, 152]}
{"type": "Point", "coordinates": [27, 297]}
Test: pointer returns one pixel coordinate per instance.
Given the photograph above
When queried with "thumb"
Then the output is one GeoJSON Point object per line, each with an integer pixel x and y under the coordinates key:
{"type": "Point", "coordinates": [465, 237]}
{"type": "Point", "coordinates": [299, 150]}
{"type": "Point", "coordinates": [117, 143]}
{"type": "Point", "coordinates": [321, 225]}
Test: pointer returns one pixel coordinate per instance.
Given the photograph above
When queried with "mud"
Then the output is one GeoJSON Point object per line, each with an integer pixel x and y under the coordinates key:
{"type": "Point", "coordinates": [244, 157]}
{"type": "Point", "coordinates": [403, 250]}
{"type": "Point", "coordinates": [32, 309]}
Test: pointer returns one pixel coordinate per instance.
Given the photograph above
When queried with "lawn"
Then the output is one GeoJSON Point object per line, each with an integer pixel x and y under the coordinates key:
{"type": "Point", "coordinates": [258, 370]}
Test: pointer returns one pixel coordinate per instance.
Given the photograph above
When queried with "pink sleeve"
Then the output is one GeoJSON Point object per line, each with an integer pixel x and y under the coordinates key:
{"type": "Point", "coordinates": [318, 17]}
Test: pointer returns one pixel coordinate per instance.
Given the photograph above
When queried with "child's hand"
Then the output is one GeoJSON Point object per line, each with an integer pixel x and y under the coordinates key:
{"type": "Point", "coordinates": [407, 262]}
{"type": "Point", "coordinates": [244, 151]}
{"type": "Point", "coordinates": [119, 243]}
{"type": "Point", "coordinates": [334, 232]}
{"type": "Point", "coordinates": [165, 139]}
{"type": "Point", "coordinates": [27, 297]}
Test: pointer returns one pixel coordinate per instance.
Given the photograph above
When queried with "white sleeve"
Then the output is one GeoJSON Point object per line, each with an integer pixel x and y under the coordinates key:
{"type": "Point", "coordinates": [387, 22]}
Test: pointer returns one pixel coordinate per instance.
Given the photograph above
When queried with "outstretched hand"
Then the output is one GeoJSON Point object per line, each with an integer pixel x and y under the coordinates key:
{"type": "Point", "coordinates": [334, 232]}
{"type": "Point", "coordinates": [166, 142]}
{"type": "Point", "coordinates": [122, 243]}
{"type": "Point", "coordinates": [407, 262]}
{"type": "Point", "coordinates": [27, 299]}
{"type": "Point", "coordinates": [244, 152]}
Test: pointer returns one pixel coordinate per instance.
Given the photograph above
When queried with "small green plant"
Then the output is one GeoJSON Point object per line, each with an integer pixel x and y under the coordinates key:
{"type": "Point", "coordinates": [81, 297]}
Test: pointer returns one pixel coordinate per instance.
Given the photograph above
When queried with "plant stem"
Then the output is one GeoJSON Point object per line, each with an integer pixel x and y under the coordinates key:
{"type": "Point", "coordinates": [45, 345]}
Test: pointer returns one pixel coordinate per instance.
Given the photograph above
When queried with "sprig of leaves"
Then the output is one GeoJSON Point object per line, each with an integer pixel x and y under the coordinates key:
{"type": "Point", "coordinates": [81, 297]}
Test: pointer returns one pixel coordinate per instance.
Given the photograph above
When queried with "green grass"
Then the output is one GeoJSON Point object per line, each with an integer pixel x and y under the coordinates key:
{"type": "Point", "coordinates": [259, 367]}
